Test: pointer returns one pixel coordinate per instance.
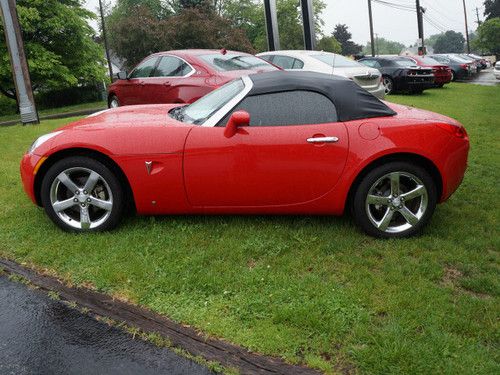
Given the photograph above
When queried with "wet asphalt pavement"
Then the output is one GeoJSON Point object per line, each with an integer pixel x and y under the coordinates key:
{"type": "Point", "coordinates": [484, 77]}
{"type": "Point", "coordinates": [41, 336]}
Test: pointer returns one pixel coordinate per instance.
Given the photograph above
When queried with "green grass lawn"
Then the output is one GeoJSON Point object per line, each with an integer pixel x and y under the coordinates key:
{"type": "Point", "coordinates": [313, 290]}
{"type": "Point", "coordinates": [53, 111]}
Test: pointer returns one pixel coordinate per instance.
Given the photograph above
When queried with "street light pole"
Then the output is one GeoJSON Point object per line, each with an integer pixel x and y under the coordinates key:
{"type": "Point", "coordinates": [466, 28]}
{"type": "Point", "coordinates": [308, 22]}
{"type": "Point", "coordinates": [104, 36]}
{"type": "Point", "coordinates": [273, 37]}
{"type": "Point", "coordinates": [371, 27]}
{"type": "Point", "coordinates": [20, 70]}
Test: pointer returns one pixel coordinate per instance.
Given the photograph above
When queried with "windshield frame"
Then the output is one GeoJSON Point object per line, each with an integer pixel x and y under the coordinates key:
{"type": "Point", "coordinates": [219, 114]}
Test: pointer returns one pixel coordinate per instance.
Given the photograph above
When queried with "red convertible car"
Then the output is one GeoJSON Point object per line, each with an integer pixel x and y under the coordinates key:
{"type": "Point", "coordinates": [181, 76]}
{"type": "Point", "coordinates": [270, 143]}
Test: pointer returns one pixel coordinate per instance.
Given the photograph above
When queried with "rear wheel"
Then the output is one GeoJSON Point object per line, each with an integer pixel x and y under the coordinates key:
{"type": "Point", "coordinates": [394, 200]}
{"type": "Point", "coordinates": [82, 194]}
{"type": "Point", "coordinates": [388, 85]}
{"type": "Point", "coordinates": [113, 102]}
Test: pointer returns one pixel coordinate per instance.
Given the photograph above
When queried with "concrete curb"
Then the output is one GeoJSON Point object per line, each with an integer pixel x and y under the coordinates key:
{"type": "Point", "coordinates": [187, 338]}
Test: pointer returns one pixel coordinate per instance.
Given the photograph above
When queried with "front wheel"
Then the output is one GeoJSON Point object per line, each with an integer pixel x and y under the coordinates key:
{"type": "Point", "coordinates": [394, 200]}
{"type": "Point", "coordinates": [82, 194]}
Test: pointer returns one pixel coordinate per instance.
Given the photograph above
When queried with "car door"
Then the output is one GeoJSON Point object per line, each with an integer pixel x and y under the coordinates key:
{"type": "Point", "coordinates": [293, 152]}
{"type": "Point", "coordinates": [168, 79]}
{"type": "Point", "coordinates": [133, 89]}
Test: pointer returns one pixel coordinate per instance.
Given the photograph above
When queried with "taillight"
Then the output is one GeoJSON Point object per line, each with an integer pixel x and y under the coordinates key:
{"type": "Point", "coordinates": [456, 130]}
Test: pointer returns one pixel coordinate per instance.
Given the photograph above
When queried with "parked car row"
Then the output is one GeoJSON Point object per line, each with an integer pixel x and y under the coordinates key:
{"type": "Point", "coordinates": [184, 76]}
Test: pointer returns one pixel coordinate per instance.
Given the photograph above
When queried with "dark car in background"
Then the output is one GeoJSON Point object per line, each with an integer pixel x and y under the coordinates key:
{"type": "Point", "coordinates": [181, 76]}
{"type": "Point", "coordinates": [460, 69]}
{"type": "Point", "coordinates": [442, 73]}
{"type": "Point", "coordinates": [400, 74]}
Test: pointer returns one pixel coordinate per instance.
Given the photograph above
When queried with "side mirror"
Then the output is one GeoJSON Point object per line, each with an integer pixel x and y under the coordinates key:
{"type": "Point", "coordinates": [237, 120]}
{"type": "Point", "coordinates": [122, 75]}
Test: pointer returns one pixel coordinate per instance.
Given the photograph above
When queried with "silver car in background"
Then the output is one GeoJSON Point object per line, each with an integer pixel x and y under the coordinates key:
{"type": "Point", "coordinates": [330, 63]}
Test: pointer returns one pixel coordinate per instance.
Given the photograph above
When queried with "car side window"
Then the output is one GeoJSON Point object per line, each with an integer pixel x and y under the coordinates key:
{"type": "Point", "coordinates": [371, 63]}
{"type": "Point", "coordinates": [268, 58]}
{"type": "Point", "coordinates": [170, 66]}
{"type": "Point", "coordinates": [284, 62]}
{"type": "Point", "coordinates": [287, 108]}
{"type": "Point", "coordinates": [298, 64]}
{"type": "Point", "coordinates": [144, 69]}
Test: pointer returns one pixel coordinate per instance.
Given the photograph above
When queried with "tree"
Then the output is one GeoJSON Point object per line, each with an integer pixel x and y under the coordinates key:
{"type": "Point", "coordinates": [59, 46]}
{"type": "Point", "coordinates": [449, 42]}
{"type": "Point", "coordinates": [431, 40]}
{"type": "Point", "coordinates": [135, 35]}
{"type": "Point", "coordinates": [329, 44]}
{"type": "Point", "coordinates": [384, 47]}
{"type": "Point", "coordinates": [488, 36]}
{"type": "Point", "coordinates": [491, 9]}
{"type": "Point", "coordinates": [344, 38]}
{"type": "Point", "coordinates": [249, 15]}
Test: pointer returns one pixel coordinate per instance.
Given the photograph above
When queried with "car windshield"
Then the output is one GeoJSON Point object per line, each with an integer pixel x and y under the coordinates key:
{"type": "Point", "coordinates": [339, 60]}
{"type": "Point", "coordinates": [199, 111]}
{"type": "Point", "coordinates": [231, 61]}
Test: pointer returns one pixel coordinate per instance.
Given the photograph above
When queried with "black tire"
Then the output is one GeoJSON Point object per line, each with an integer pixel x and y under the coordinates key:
{"type": "Point", "coordinates": [113, 99]}
{"type": "Point", "coordinates": [361, 211]}
{"type": "Point", "coordinates": [453, 75]}
{"type": "Point", "coordinates": [107, 189]}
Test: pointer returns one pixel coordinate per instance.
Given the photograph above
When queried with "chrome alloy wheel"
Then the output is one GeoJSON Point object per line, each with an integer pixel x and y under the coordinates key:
{"type": "Point", "coordinates": [81, 198]}
{"type": "Point", "coordinates": [114, 103]}
{"type": "Point", "coordinates": [396, 202]}
{"type": "Point", "coordinates": [387, 82]}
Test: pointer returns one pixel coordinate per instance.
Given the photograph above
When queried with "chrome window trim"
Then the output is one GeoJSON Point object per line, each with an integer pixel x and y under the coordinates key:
{"type": "Point", "coordinates": [226, 108]}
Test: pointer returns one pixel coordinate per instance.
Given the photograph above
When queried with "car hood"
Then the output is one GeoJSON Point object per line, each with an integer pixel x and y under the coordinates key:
{"type": "Point", "coordinates": [127, 116]}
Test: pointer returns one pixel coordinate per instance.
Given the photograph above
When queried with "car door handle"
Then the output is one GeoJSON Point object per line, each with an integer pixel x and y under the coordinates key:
{"type": "Point", "coordinates": [322, 140]}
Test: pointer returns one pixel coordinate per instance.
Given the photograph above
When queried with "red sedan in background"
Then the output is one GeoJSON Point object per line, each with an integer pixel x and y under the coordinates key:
{"type": "Point", "coordinates": [271, 143]}
{"type": "Point", "coordinates": [442, 73]}
{"type": "Point", "coordinates": [181, 76]}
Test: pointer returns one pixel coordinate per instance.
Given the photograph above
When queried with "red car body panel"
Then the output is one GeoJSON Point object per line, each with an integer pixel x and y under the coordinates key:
{"type": "Point", "coordinates": [162, 90]}
{"type": "Point", "coordinates": [260, 169]}
{"type": "Point", "coordinates": [442, 73]}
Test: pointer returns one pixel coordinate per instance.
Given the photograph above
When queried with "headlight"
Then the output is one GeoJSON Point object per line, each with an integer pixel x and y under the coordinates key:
{"type": "Point", "coordinates": [43, 139]}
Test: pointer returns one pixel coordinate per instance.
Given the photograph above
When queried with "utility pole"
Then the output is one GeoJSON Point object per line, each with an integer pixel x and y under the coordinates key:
{"type": "Point", "coordinates": [20, 71]}
{"type": "Point", "coordinates": [420, 25]}
{"type": "Point", "coordinates": [273, 37]}
{"type": "Point", "coordinates": [477, 14]}
{"type": "Point", "coordinates": [105, 37]}
{"type": "Point", "coordinates": [466, 28]}
{"type": "Point", "coordinates": [371, 26]}
{"type": "Point", "coordinates": [376, 43]}
{"type": "Point", "coordinates": [308, 21]}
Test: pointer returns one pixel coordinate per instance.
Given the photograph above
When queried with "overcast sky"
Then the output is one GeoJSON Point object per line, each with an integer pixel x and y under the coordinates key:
{"type": "Point", "coordinates": [390, 23]}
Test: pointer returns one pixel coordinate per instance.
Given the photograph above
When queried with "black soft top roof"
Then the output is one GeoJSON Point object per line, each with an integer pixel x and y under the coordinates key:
{"type": "Point", "coordinates": [351, 101]}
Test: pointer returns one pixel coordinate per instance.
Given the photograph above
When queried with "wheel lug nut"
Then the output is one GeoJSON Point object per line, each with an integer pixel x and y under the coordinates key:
{"type": "Point", "coordinates": [85, 192]}
{"type": "Point", "coordinates": [77, 192]}
{"type": "Point", "coordinates": [83, 204]}
{"type": "Point", "coordinates": [75, 200]}
{"type": "Point", "coordinates": [88, 200]}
